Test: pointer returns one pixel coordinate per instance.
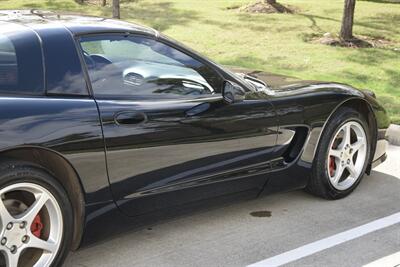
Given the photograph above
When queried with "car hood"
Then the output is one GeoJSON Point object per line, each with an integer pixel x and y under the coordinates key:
{"type": "Point", "coordinates": [276, 82]}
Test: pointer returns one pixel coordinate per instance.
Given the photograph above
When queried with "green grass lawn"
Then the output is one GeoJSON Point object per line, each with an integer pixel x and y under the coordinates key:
{"type": "Point", "coordinates": [272, 42]}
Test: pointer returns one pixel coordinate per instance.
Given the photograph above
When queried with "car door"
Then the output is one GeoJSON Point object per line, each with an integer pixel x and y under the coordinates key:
{"type": "Point", "coordinates": [170, 138]}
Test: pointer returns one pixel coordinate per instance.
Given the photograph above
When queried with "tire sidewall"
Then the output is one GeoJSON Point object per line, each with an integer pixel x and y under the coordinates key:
{"type": "Point", "coordinates": [11, 173]}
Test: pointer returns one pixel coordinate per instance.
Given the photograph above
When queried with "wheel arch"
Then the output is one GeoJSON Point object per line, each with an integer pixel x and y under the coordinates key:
{"type": "Point", "coordinates": [63, 171]}
{"type": "Point", "coordinates": [365, 109]}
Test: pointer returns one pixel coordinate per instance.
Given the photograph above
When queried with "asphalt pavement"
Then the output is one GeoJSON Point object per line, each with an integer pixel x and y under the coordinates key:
{"type": "Point", "coordinates": [251, 232]}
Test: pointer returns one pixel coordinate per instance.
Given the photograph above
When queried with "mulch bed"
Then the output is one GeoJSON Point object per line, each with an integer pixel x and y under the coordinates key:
{"type": "Point", "coordinates": [263, 7]}
{"type": "Point", "coordinates": [358, 41]}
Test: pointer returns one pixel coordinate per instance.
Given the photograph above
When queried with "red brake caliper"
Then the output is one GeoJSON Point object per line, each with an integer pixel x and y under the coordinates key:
{"type": "Point", "coordinates": [37, 226]}
{"type": "Point", "coordinates": [332, 165]}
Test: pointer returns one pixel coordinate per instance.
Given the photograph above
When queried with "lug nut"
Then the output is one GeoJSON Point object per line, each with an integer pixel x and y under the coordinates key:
{"type": "Point", "coordinates": [25, 239]}
{"type": "Point", "coordinates": [3, 241]}
{"type": "Point", "coordinates": [13, 249]}
{"type": "Point", "coordinates": [348, 161]}
{"type": "Point", "coordinates": [22, 225]}
{"type": "Point", "coordinates": [9, 226]}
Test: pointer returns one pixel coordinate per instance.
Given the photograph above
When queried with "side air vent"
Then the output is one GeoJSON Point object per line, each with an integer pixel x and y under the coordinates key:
{"type": "Point", "coordinates": [296, 145]}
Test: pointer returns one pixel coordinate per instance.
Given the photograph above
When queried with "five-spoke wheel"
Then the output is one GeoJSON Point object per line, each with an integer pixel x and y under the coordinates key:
{"type": "Point", "coordinates": [31, 225]}
{"type": "Point", "coordinates": [342, 155]}
{"type": "Point", "coordinates": [34, 229]}
{"type": "Point", "coordinates": [347, 155]}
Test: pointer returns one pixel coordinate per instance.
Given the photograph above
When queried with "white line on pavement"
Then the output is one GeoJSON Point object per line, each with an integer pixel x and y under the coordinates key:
{"type": "Point", "coordinates": [388, 261]}
{"type": "Point", "coordinates": [328, 242]}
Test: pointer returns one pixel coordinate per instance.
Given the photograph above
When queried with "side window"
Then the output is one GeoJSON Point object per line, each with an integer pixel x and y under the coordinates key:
{"type": "Point", "coordinates": [140, 66]}
{"type": "Point", "coordinates": [21, 67]}
{"type": "Point", "coordinates": [8, 64]}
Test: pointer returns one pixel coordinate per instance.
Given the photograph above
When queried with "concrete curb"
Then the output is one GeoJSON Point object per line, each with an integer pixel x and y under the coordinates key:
{"type": "Point", "coordinates": [393, 134]}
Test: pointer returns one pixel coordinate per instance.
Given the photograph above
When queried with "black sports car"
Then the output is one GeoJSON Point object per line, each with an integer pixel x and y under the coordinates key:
{"type": "Point", "coordinates": [106, 125]}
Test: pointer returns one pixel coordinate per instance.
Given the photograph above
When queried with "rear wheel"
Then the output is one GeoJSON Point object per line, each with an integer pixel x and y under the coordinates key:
{"type": "Point", "coordinates": [35, 215]}
{"type": "Point", "coordinates": [342, 155]}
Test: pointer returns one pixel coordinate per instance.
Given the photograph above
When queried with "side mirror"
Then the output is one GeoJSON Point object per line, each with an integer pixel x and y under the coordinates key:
{"type": "Point", "coordinates": [233, 92]}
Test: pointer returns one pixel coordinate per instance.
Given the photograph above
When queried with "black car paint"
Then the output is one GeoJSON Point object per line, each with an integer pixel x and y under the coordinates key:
{"type": "Point", "coordinates": [219, 157]}
{"type": "Point", "coordinates": [175, 153]}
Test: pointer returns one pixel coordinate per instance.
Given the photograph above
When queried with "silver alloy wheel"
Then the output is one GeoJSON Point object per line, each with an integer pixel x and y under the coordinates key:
{"type": "Point", "coordinates": [16, 236]}
{"type": "Point", "coordinates": [347, 155]}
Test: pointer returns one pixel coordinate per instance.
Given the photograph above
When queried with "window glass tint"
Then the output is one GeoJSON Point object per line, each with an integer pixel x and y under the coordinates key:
{"type": "Point", "coordinates": [130, 50]}
{"type": "Point", "coordinates": [139, 66]}
{"type": "Point", "coordinates": [21, 68]}
{"type": "Point", "coordinates": [8, 64]}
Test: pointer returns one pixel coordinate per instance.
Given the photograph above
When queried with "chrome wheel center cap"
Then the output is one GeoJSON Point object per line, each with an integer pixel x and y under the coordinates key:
{"type": "Point", "coordinates": [14, 236]}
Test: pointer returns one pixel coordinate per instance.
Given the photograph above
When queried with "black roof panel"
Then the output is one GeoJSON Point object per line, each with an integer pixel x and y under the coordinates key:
{"type": "Point", "coordinates": [77, 24]}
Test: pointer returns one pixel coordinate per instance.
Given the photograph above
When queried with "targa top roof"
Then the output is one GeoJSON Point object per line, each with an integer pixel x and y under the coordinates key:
{"type": "Point", "coordinates": [77, 24]}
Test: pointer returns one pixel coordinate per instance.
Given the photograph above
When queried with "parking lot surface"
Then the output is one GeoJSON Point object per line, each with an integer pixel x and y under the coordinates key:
{"type": "Point", "coordinates": [233, 236]}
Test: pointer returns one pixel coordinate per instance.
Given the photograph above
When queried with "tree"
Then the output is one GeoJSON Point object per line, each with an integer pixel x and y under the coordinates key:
{"type": "Point", "coordinates": [346, 33]}
{"type": "Point", "coordinates": [271, 2]}
{"type": "Point", "coordinates": [104, 3]}
{"type": "Point", "coordinates": [116, 13]}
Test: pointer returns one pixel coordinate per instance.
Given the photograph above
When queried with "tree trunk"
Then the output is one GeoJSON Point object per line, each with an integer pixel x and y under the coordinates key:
{"type": "Point", "coordinates": [104, 3]}
{"type": "Point", "coordinates": [346, 33]}
{"type": "Point", "coordinates": [116, 13]}
{"type": "Point", "coordinates": [271, 2]}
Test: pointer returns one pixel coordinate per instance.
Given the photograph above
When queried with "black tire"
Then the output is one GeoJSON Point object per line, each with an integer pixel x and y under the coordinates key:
{"type": "Point", "coordinates": [319, 183]}
{"type": "Point", "coordinates": [12, 172]}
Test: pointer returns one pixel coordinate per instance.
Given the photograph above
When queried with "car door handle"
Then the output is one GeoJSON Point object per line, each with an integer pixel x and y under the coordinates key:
{"type": "Point", "coordinates": [197, 110]}
{"type": "Point", "coordinates": [130, 117]}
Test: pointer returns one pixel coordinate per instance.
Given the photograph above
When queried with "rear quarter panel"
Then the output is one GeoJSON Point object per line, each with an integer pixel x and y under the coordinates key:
{"type": "Point", "coordinates": [70, 127]}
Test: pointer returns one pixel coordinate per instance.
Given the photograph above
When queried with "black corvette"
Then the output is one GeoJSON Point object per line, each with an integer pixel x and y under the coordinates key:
{"type": "Point", "coordinates": [106, 125]}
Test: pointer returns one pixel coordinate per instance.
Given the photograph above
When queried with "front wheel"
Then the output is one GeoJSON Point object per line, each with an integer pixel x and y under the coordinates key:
{"type": "Point", "coordinates": [35, 215]}
{"type": "Point", "coordinates": [342, 155]}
